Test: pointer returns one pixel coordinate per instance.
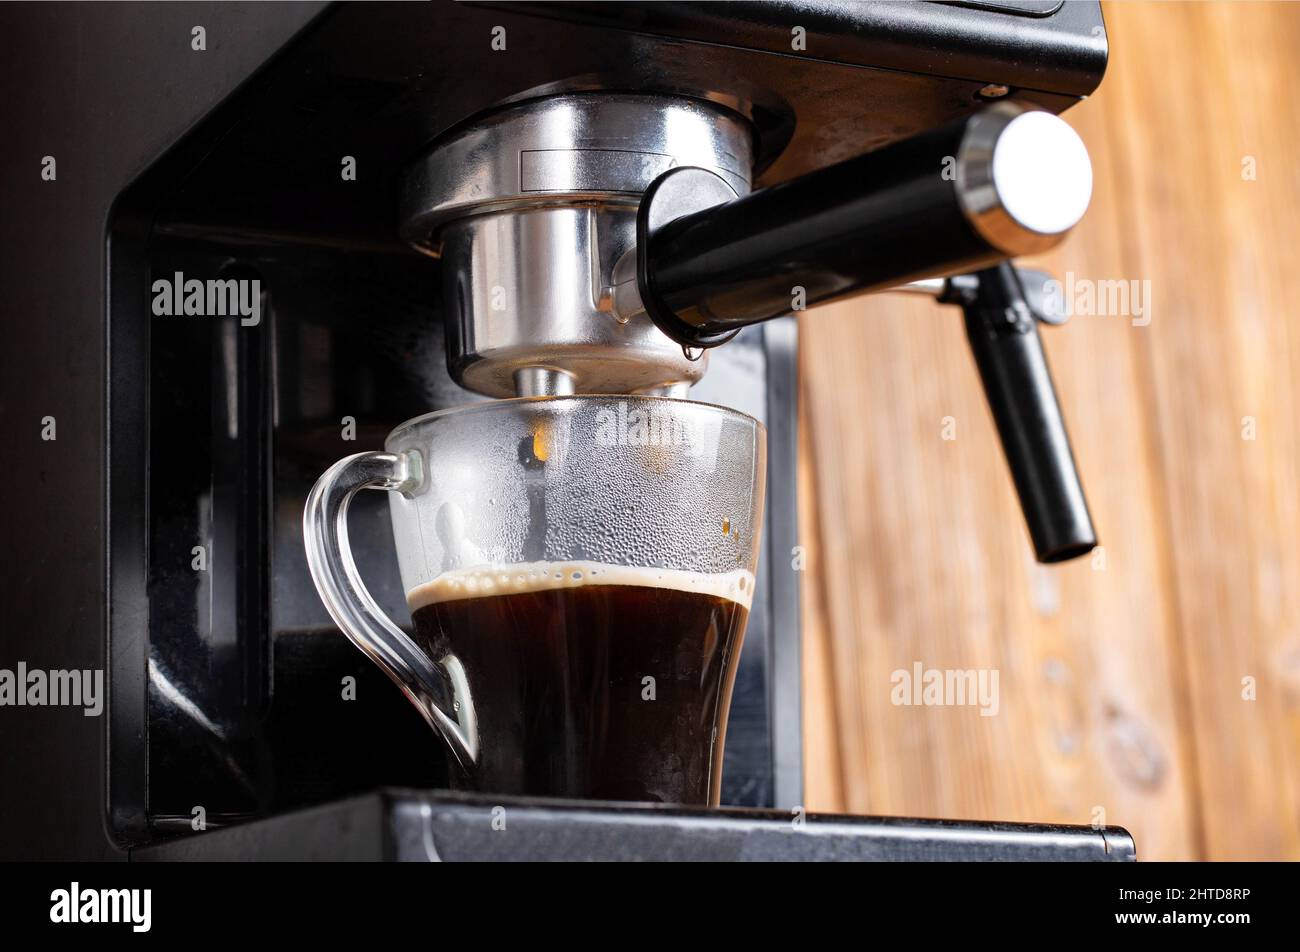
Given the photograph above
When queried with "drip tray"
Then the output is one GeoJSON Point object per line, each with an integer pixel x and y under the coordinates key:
{"type": "Point", "coordinates": [416, 825]}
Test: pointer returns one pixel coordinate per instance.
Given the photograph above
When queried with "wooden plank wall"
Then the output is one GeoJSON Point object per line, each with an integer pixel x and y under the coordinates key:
{"type": "Point", "coordinates": [1121, 679]}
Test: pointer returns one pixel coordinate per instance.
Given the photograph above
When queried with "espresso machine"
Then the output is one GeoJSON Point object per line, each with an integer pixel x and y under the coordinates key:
{"type": "Point", "coordinates": [445, 203]}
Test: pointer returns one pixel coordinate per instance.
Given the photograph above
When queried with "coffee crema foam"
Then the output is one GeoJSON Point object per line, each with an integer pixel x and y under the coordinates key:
{"type": "Point", "coordinates": [487, 580]}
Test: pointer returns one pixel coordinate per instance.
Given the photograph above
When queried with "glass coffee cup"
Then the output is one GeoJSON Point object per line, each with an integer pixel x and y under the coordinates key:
{"type": "Point", "coordinates": [579, 571]}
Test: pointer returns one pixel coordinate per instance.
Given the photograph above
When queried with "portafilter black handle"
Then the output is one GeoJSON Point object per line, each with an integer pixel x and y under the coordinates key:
{"type": "Point", "coordinates": [1006, 181]}
{"type": "Point", "coordinates": [1003, 182]}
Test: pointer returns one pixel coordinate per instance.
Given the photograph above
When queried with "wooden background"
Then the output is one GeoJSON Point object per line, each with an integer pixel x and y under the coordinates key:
{"type": "Point", "coordinates": [1121, 681]}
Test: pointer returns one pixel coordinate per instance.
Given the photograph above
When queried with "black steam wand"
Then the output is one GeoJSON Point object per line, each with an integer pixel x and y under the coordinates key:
{"type": "Point", "coordinates": [1002, 328]}
{"type": "Point", "coordinates": [960, 198]}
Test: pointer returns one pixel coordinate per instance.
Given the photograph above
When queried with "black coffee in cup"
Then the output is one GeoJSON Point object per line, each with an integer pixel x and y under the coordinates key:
{"type": "Point", "coordinates": [591, 680]}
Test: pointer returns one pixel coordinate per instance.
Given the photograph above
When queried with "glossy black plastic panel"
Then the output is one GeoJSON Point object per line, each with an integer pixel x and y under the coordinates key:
{"type": "Point", "coordinates": [1051, 46]}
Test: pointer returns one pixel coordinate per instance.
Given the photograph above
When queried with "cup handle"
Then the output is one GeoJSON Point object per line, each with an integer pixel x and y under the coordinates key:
{"type": "Point", "coordinates": [439, 690]}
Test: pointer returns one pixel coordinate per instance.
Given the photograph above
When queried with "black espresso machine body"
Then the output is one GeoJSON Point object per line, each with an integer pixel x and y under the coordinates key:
{"type": "Point", "coordinates": [159, 536]}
